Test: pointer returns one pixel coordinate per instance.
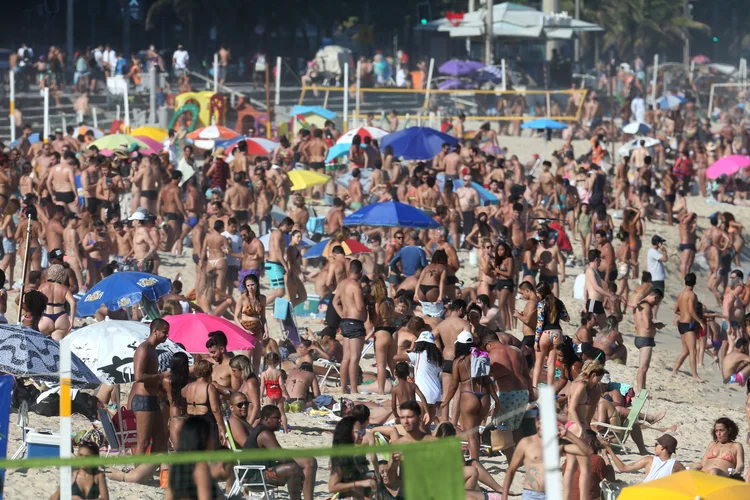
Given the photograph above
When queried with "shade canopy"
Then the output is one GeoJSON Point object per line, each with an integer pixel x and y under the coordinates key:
{"type": "Point", "coordinates": [417, 143]}
{"type": "Point", "coordinates": [121, 290]}
{"type": "Point", "coordinates": [391, 214]}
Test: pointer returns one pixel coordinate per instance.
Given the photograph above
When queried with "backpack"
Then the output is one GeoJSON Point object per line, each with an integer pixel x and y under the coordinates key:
{"type": "Point", "coordinates": [480, 363]}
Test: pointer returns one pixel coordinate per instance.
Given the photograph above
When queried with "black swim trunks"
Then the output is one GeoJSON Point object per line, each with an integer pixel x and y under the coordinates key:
{"type": "Point", "coordinates": [594, 306]}
{"type": "Point", "coordinates": [145, 403]}
{"type": "Point", "coordinates": [641, 342]}
{"type": "Point", "coordinates": [550, 280]}
{"type": "Point", "coordinates": [447, 366]}
{"type": "Point", "coordinates": [65, 196]}
{"type": "Point", "coordinates": [683, 328]}
{"type": "Point", "coordinates": [317, 165]}
{"type": "Point", "coordinates": [669, 198]}
{"type": "Point", "coordinates": [686, 246]}
{"type": "Point", "coordinates": [352, 328]}
{"type": "Point", "coordinates": [504, 285]}
{"type": "Point", "coordinates": [150, 194]}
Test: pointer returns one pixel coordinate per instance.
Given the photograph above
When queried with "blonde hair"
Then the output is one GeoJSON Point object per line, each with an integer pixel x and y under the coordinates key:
{"type": "Point", "coordinates": [56, 273]}
{"type": "Point", "coordinates": [172, 308]}
{"type": "Point", "coordinates": [591, 368]}
{"type": "Point", "coordinates": [243, 364]}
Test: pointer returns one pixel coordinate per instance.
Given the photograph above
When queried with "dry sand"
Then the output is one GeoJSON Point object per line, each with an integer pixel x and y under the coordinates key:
{"type": "Point", "coordinates": [692, 407]}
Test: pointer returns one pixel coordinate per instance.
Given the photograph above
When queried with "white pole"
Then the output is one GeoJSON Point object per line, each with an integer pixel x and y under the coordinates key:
{"type": "Point", "coordinates": [79, 117]}
{"type": "Point", "coordinates": [12, 80]}
{"type": "Point", "coordinates": [46, 114]}
{"type": "Point", "coordinates": [692, 69]}
{"type": "Point", "coordinates": [117, 113]}
{"type": "Point", "coordinates": [551, 449]}
{"type": "Point", "coordinates": [711, 103]}
{"type": "Point", "coordinates": [66, 476]}
{"type": "Point", "coordinates": [656, 78]}
{"type": "Point", "coordinates": [216, 73]}
{"type": "Point", "coordinates": [277, 98]}
{"type": "Point", "coordinates": [355, 118]}
{"type": "Point", "coordinates": [429, 82]}
{"type": "Point", "coordinates": [63, 123]}
{"type": "Point", "coordinates": [346, 96]}
{"type": "Point", "coordinates": [126, 109]}
{"type": "Point", "coordinates": [505, 76]}
{"type": "Point", "coordinates": [152, 95]}
{"type": "Point", "coordinates": [419, 118]}
{"type": "Point", "coordinates": [93, 117]}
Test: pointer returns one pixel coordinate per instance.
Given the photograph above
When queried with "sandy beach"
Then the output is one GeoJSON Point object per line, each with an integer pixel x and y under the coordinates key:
{"type": "Point", "coordinates": [691, 406]}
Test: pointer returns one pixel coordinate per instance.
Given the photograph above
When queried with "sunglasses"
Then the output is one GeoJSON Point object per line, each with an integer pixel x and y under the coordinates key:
{"type": "Point", "coordinates": [243, 404]}
{"type": "Point", "coordinates": [399, 237]}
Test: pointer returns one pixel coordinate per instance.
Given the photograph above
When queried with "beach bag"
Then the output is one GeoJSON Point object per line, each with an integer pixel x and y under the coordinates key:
{"type": "Point", "coordinates": [501, 438]}
{"type": "Point", "coordinates": [124, 421]}
{"type": "Point", "coordinates": [480, 363]}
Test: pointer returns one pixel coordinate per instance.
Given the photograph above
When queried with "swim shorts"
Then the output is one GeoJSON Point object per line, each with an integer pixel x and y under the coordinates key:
{"type": "Point", "coordinates": [275, 272]}
{"type": "Point", "coordinates": [513, 404]}
{"type": "Point", "coordinates": [433, 309]}
{"type": "Point", "coordinates": [448, 366]}
{"type": "Point", "coordinates": [594, 306]}
{"type": "Point", "coordinates": [145, 403]}
{"type": "Point", "coordinates": [533, 495]}
{"type": "Point", "coordinates": [352, 328]}
{"type": "Point", "coordinates": [683, 328]}
{"type": "Point", "coordinates": [641, 342]}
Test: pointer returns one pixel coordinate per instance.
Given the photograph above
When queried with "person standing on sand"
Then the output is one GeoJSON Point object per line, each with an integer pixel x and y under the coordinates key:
{"type": "Point", "coordinates": [595, 291]}
{"type": "Point", "coordinates": [221, 374]}
{"type": "Point", "coordinates": [276, 265]}
{"type": "Point", "coordinates": [657, 256]}
{"type": "Point", "coordinates": [645, 331]}
{"type": "Point", "coordinates": [733, 309]}
{"type": "Point", "coordinates": [144, 402]}
{"type": "Point", "coordinates": [688, 238]}
{"type": "Point", "coordinates": [349, 303]}
{"type": "Point", "coordinates": [688, 324]}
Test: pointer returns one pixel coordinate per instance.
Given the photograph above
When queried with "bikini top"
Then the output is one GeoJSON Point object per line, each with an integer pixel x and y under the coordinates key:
{"type": "Point", "coordinates": [727, 457]}
{"type": "Point", "coordinates": [207, 403]}
{"type": "Point", "coordinates": [75, 490]}
{"type": "Point", "coordinates": [249, 310]}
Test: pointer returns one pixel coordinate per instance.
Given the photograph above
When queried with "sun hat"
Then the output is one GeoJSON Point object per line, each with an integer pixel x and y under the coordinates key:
{"type": "Point", "coordinates": [426, 337]}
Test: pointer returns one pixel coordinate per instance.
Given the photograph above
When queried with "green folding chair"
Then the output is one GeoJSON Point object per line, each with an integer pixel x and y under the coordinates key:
{"type": "Point", "coordinates": [619, 434]}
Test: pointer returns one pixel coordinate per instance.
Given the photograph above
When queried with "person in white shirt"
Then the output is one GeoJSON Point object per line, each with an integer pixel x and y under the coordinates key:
{"type": "Point", "coordinates": [180, 61]}
{"type": "Point", "coordinates": [657, 256]}
{"type": "Point", "coordinates": [638, 108]}
{"type": "Point", "coordinates": [108, 60]}
{"type": "Point", "coordinates": [233, 263]}
{"type": "Point", "coordinates": [659, 465]}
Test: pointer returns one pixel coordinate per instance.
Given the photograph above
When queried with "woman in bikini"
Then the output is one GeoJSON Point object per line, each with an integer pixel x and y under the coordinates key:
{"type": "Point", "coordinates": [249, 385]}
{"type": "Point", "coordinates": [56, 323]}
{"type": "Point", "coordinates": [356, 155]}
{"type": "Point", "coordinates": [273, 388]}
{"type": "Point", "coordinates": [214, 253]}
{"type": "Point", "coordinates": [250, 314]}
{"type": "Point", "coordinates": [430, 288]}
{"type": "Point", "coordinates": [550, 311]}
{"type": "Point", "coordinates": [474, 401]}
{"type": "Point", "coordinates": [295, 287]}
{"type": "Point", "coordinates": [88, 482]}
{"type": "Point", "coordinates": [10, 221]}
{"type": "Point", "coordinates": [602, 222]}
{"type": "Point", "coordinates": [724, 455]}
{"type": "Point", "coordinates": [202, 400]}
{"type": "Point", "coordinates": [211, 299]}
{"type": "Point", "coordinates": [633, 227]}
{"type": "Point", "coordinates": [486, 276]}
{"type": "Point", "coordinates": [481, 230]}
{"type": "Point", "coordinates": [179, 374]}
{"type": "Point", "coordinates": [384, 321]}
{"type": "Point", "coordinates": [583, 400]}
{"type": "Point", "coordinates": [455, 217]}
{"type": "Point", "coordinates": [623, 260]}
{"type": "Point", "coordinates": [505, 270]}
{"type": "Point", "coordinates": [610, 341]}
{"type": "Point", "coordinates": [584, 228]}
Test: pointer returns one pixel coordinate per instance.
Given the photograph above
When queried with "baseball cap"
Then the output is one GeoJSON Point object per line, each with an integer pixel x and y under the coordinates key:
{"type": "Point", "coordinates": [656, 239]}
{"type": "Point", "coordinates": [443, 231]}
{"type": "Point", "coordinates": [57, 253]}
{"type": "Point", "coordinates": [139, 214]}
{"type": "Point", "coordinates": [426, 337]}
{"type": "Point", "coordinates": [668, 442]}
{"type": "Point", "coordinates": [465, 338]}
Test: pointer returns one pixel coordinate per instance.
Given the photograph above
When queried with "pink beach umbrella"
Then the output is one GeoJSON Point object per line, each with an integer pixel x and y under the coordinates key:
{"type": "Point", "coordinates": [154, 146]}
{"type": "Point", "coordinates": [729, 165]}
{"type": "Point", "coordinates": [191, 330]}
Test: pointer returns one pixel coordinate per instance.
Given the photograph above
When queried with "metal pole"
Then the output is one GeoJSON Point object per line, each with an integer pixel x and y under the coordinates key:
{"type": "Point", "coordinates": [577, 41]}
{"type": "Point", "coordinates": [216, 73]}
{"type": "Point", "coordinates": [268, 100]}
{"type": "Point", "coordinates": [710, 102]}
{"type": "Point", "coordinates": [692, 69]}
{"type": "Point", "coordinates": [687, 11]}
{"type": "Point", "coordinates": [505, 75]}
{"type": "Point", "coordinates": [117, 113]}
{"type": "Point", "coordinates": [551, 447]}
{"type": "Point", "coordinates": [656, 78]}
{"type": "Point", "coordinates": [66, 426]}
{"type": "Point", "coordinates": [355, 119]}
{"type": "Point", "coordinates": [488, 35]}
{"type": "Point", "coordinates": [346, 96]}
{"type": "Point", "coordinates": [277, 98]}
{"type": "Point", "coordinates": [429, 82]}
{"type": "Point", "coordinates": [325, 99]}
{"type": "Point", "coordinates": [25, 270]}
{"type": "Point", "coordinates": [126, 109]}
{"type": "Point", "coordinates": [94, 119]}
{"type": "Point", "coordinates": [46, 114]}
{"type": "Point", "coordinates": [63, 123]}
{"type": "Point", "coordinates": [12, 80]}
{"type": "Point", "coordinates": [69, 28]}
{"type": "Point", "coordinates": [152, 96]}
{"type": "Point", "coordinates": [79, 117]}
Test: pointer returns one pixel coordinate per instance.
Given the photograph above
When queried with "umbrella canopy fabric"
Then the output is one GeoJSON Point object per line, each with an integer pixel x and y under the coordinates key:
{"type": "Point", "coordinates": [303, 179]}
{"type": "Point", "coordinates": [27, 353]}
{"type": "Point", "coordinates": [153, 145]}
{"type": "Point", "coordinates": [488, 74]}
{"type": "Point", "coordinates": [213, 133]}
{"type": "Point", "coordinates": [544, 123]}
{"type": "Point", "coordinates": [191, 330]}
{"type": "Point", "coordinates": [670, 101]}
{"type": "Point", "coordinates": [365, 176]}
{"type": "Point", "coordinates": [122, 290]}
{"type": "Point", "coordinates": [155, 133]}
{"type": "Point", "coordinates": [636, 128]}
{"type": "Point", "coordinates": [417, 143]}
{"type": "Point", "coordinates": [266, 239]}
{"type": "Point", "coordinates": [108, 347]}
{"type": "Point", "coordinates": [701, 59]}
{"type": "Point", "coordinates": [729, 165]}
{"type": "Point", "coordinates": [83, 129]}
{"type": "Point", "coordinates": [337, 151]}
{"type": "Point", "coordinates": [371, 132]}
{"type": "Point", "coordinates": [324, 247]}
{"type": "Point", "coordinates": [452, 84]}
{"type": "Point", "coordinates": [648, 142]}
{"type": "Point", "coordinates": [391, 214]}
{"type": "Point", "coordinates": [457, 67]}
{"type": "Point", "coordinates": [688, 485]}
{"type": "Point", "coordinates": [116, 140]}
{"type": "Point", "coordinates": [485, 195]}
{"type": "Point", "coordinates": [255, 145]}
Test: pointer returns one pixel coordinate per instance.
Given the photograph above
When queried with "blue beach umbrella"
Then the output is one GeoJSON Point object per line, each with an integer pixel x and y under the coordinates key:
{"type": "Point", "coordinates": [337, 151]}
{"type": "Point", "coordinates": [391, 214]}
{"type": "Point", "coordinates": [670, 101]}
{"type": "Point", "coordinates": [417, 143]}
{"type": "Point", "coordinates": [122, 290]}
{"type": "Point", "coordinates": [485, 195]}
{"type": "Point", "coordinates": [544, 123]}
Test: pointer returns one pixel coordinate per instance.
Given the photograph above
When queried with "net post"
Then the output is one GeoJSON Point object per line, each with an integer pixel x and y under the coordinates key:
{"type": "Point", "coordinates": [66, 476]}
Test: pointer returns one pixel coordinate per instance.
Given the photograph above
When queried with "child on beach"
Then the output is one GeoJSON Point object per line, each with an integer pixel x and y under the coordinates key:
{"type": "Point", "coordinates": [272, 386]}
{"type": "Point", "coordinates": [406, 391]}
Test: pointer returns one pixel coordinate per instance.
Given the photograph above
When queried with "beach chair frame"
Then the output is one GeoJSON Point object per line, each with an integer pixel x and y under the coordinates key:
{"type": "Point", "coordinates": [640, 404]}
{"type": "Point", "coordinates": [113, 436]}
{"type": "Point", "coordinates": [331, 366]}
{"type": "Point", "coordinates": [23, 423]}
{"type": "Point", "coordinates": [241, 471]}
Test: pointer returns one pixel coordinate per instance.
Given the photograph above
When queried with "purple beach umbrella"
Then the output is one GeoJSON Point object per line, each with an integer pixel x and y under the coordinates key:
{"type": "Point", "coordinates": [456, 67]}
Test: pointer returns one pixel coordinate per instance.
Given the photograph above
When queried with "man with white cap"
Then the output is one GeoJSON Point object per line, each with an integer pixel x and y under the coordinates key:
{"type": "Point", "coordinates": [144, 247]}
{"type": "Point", "coordinates": [659, 465]}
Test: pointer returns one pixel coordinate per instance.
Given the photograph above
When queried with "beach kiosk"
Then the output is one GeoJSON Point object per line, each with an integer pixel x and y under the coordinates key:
{"type": "Point", "coordinates": [310, 117]}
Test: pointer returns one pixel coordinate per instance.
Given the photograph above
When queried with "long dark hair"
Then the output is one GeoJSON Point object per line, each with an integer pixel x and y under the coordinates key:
{"type": "Point", "coordinates": [463, 349]}
{"type": "Point", "coordinates": [179, 372]}
{"type": "Point", "coordinates": [194, 436]}
{"type": "Point", "coordinates": [545, 292]}
{"type": "Point", "coordinates": [254, 279]}
{"type": "Point", "coordinates": [342, 436]}
{"type": "Point", "coordinates": [434, 356]}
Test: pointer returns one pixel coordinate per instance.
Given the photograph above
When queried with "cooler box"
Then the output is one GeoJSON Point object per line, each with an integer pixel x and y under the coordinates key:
{"type": "Point", "coordinates": [308, 307]}
{"type": "Point", "coordinates": [42, 445]}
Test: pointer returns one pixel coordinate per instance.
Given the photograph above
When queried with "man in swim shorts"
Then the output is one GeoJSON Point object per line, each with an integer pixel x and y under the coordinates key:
{"type": "Point", "coordinates": [349, 303]}
{"type": "Point", "coordinates": [645, 331]}
{"type": "Point", "coordinates": [253, 255]}
{"type": "Point", "coordinates": [736, 365]}
{"type": "Point", "coordinates": [276, 266]}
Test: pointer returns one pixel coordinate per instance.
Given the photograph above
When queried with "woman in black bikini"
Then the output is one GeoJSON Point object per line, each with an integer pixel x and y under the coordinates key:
{"type": "Point", "coordinates": [194, 481]}
{"type": "Point", "coordinates": [505, 270]}
{"type": "Point", "coordinates": [56, 323]}
{"type": "Point", "coordinates": [179, 373]}
{"type": "Point", "coordinates": [209, 409]}
{"type": "Point", "coordinates": [474, 403]}
{"type": "Point", "coordinates": [385, 346]}
{"type": "Point", "coordinates": [88, 482]}
{"type": "Point", "coordinates": [430, 288]}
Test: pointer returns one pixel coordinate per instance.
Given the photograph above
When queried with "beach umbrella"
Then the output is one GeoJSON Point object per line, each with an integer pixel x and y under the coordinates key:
{"type": "Point", "coordinates": [266, 239]}
{"type": "Point", "coordinates": [33, 139]}
{"type": "Point", "coordinates": [114, 141]}
{"type": "Point", "coordinates": [277, 214]}
{"type": "Point", "coordinates": [324, 247]}
{"type": "Point", "coordinates": [303, 179]}
{"type": "Point", "coordinates": [452, 84]}
{"type": "Point", "coordinates": [543, 124]}
{"type": "Point", "coordinates": [417, 143]}
{"type": "Point", "coordinates": [636, 128]}
{"type": "Point", "coordinates": [255, 145]}
{"type": "Point", "coordinates": [488, 74]}
{"type": "Point", "coordinates": [26, 353]}
{"type": "Point", "coordinates": [457, 67]}
{"type": "Point", "coordinates": [391, 214]}
{"type": "Point", "coordinates": [337, 151]}
{"type": "Point", "coordinates": [213, 133]}
{"type": "Point", "coordinates": [670, 101]}
{"type": "Point", "coordinates": [364, 178]}
{"type": "Point", "coordinates": [729, 165]}
{"type": "Point", "coordinates": [485, 195]}
{"type": "Point", "coordinates": [153, 146]}
{"type": "Point", "coordinates": [648, 142]}
{"type": "Point", "coordinates": [688, 485]}
{"type": "Point", "coordinates": [371, 132]}
{"type": "Point", "coordinates": [84, 128]}
{"type": "Point", "coordinates": [191, 330]}
{"type": "Point", "coordinates": [121, 290]}
{"type": "Point", "coordinates": [155, 133]}
{"type": "Point", "coordinates": [108, 347]}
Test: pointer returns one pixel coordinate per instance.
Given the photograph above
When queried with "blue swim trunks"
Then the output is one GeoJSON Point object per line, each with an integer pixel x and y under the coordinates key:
{"type": "Point", "coordinates": [275, 273]}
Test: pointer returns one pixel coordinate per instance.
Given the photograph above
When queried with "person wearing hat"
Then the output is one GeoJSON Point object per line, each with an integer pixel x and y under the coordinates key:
{"type": "Point", "coordinates": [219, 171]}
{"type": "Point", "coordinates": [428, 362]}
{"type": "Point", "coordinates": [657, 256]}
{"type": "Point", "coordinates": [144, 247]}
{"type": "Point", "coordinates": [659, 465]}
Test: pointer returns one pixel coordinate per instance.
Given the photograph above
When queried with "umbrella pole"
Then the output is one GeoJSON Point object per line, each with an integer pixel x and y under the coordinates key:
{"type": "Point", "coordinates": [120, 431]}
{"type": "Point", "coordinates": [25, 270]}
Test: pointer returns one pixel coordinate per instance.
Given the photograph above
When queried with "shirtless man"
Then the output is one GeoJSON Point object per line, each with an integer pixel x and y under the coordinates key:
{"type": "Point", "coordinates": [349, 304]}
{"type": "Point", "coordinates": [688, 324]}
{"type": "Point", "coordinates": [446, 334]}
{"type": "Point", "coordinates": [410, 415]}
{"type": "Point", "coordinates": [622, 182]}
{"type": "Point", "coordinates": [72, 244]}
{"type": "Point", "coordinates": [241, 162]}
{"type": "Point", "coordinates": [253, 255]}
{"type": "Point", "coordinates": [639, 154]}
{"type": "Point", "coordinates": [733, 309]}
{"type": "Point", "coordinates": [607, 264]}
{"type": "Point", "coordinates": [107, 191]}
{"type": "Point", "coordinates": [528, 319]}
{"type": "Point", "coordinates": [276, 266]}
{"type": "Point", "coordinates": [450, 279]}
{"type": "Point", "coordinates": [61, 182]}
{"type": "Point", "coordinates": [302, 385]}
{"type": "Point", "coordinates": [427, 198]}
{"type": "Point", "coordinates": [595, 291]}
{"type": "Point", "coordinates": [239, 199]}
{"type": "Point", "coordinates": [458, 127]}
{"type": "Point", "coordinates": [221, 375]}
{"type": "Point", "coordinates": [97, 246]}
{"type": "Point", "coordinates": [146, 177]}
{"type": "Point", "coordinates": [123, 241]}
{"type": "Point", "coordinates": [335, 218]}
{"type": "Point", "coordinates": [453, 163]}
{"type": "Point", "coordinates": [551, 262]}
{"type": "Point", "coordinates": [354, 190]}
{"type": "Point", "coordinates": [146, 387]}
{"type": "Point", "coordinates": [54, 229]}
{"type": "Point", "coordinates": [171, 210]}
{"type": "Point", "coordinates": [438, 162]}
{"type": "Point", "coordinates": [735, 368]}
{"type": "Point", "coordinates": [468, 201]}
{"type": "Point", "coordinates": [89, 180]}
{"type": "Point", "coordinates": [144, 246]}
{"type": "Point", "coordinates": [645, 331]}
{"type": "Point", "coordinates": [688, 238]}
{"type": "Point", "coordinates": [214, 254]}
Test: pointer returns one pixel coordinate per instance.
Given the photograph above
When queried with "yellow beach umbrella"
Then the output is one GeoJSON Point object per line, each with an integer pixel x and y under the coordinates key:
{"type": "Point", "coordinates": [155, 133]}
{"type": "Point", "coordinates": [116, 140]}
{"type": "Point", "coordinates": [688, 485]}
{"type": "Point", "coordinates": [303, 179]}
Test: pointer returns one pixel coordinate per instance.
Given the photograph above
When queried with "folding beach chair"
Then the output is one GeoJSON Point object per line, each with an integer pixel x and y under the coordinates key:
{"type": "Point", "coordinates": [621, 433]}
{"type": "Point", "coordinates": [23, 423]}
{"type": "Point", "coordinates": [368, 347]}
{"type": "Point", "coordinates": [129, 438]}
{"type": "Point", "coordinates": [330, 367]}
{"type": "Point", "coordinates": [250, 476]}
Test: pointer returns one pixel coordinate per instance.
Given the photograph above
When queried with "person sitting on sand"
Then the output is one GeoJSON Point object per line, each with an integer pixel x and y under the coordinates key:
{"type": "Point", "coordinates": [724, 455]}
{"type": "Point", "coordinates": [610, 341]}
{"type": "Point", "coordinates": [88, 482]}
{"type": "Point", "coordinates": [659, 465]}
{"type": "Point", "coordinates": [350, 475]}
{"type": "Point", "coordinates": [302, 386]}
{"type": "Point", "coordinates": [736, 365]}
{"type": "Point", "coordinates": [239, 425]}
